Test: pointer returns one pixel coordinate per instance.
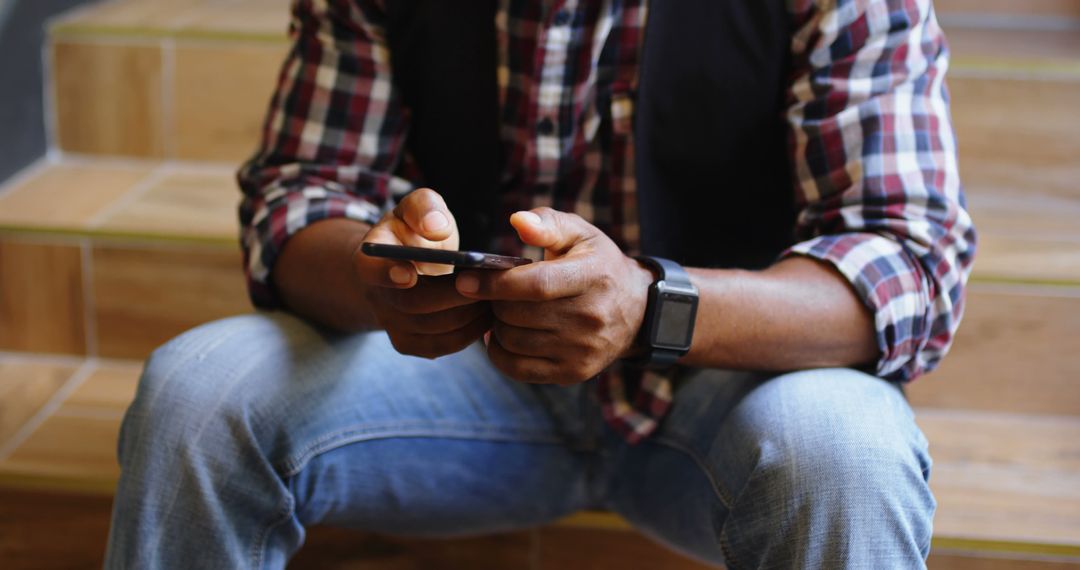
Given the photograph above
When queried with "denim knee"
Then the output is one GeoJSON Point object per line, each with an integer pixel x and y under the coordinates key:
{"type": "Point", "coordinates": [191, 387]}
{"type": "Point", "coordinates": [840, 456]}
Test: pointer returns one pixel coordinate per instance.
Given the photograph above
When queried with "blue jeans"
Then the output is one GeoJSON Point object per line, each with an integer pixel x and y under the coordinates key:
{"type": "Point", "coordinates": [246, 430]}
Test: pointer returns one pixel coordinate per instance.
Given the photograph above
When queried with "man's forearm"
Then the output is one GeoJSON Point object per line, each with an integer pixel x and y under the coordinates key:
{"type": "Point", "coordinates": [799, 313]}
{"type": "Point", "coordinates": [315, 279]}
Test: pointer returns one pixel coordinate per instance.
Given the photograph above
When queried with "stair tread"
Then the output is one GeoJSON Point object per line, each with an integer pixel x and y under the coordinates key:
{"type": "Point", "coordinates": [1059, 8]}
{"type": "Point", "coordinates": [1001, 479]}
{"type": "Point", "coordinates": [1018, 49]}
{"type": "Point", "coordinates": [238, 19]}
{"type": "Point", "coordinates": [1024, 237]}
{"type": "Point", "coordinates": [268, 19]}
{"type": "Point", "coordinates": [154, 201]}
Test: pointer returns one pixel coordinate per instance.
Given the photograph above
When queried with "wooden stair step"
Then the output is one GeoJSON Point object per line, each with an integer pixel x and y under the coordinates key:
{"type": "Point", "coordinates": [229, 19]}
{"type": "Point", "coordinates": [30, 521]}
{"type": "Point", "coordinates": [165, 234]}
{"type": "Point", "coordinates": [1007, 484]}
{"type": "Point", "coordinates": [191, 80]}
{"type": "Point", "coordinates": [182, 79]}
{"type": "Point", "coordinates": [141, 253]}
{"type": "Point", "coordinates": [1015, 352]}
{"type": "Point", "coordinates": [1058, 9]}
{"type": "Point", "coordinates": [68, 440]}
{"type": "Point", "coordinates": [1003, 478]}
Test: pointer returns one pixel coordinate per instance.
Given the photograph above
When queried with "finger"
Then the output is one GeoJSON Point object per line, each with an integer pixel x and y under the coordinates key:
{"type": "Point", "coordinates": [527, 314]}
{"type": "Point", "coordinates": [382, 272]}
{"type": "Point", "coordinates": [552, 230]}
{"type": "Point", "coordinates": [542, 281]}
{"type": "Point", "coordinates": [404, 235]}
{"type": "Point", "coordinates": [436, 345]}
{"type": "Point", "coordinates": [523, 368]}
{"type": "Point", "coordinates": [429, 295]}
{"type": "Point", "coordinates": [530, 342]}
{"type": "Point", "coordinates": [441, 322]}
{"type": "Point", "coordinates": [426, 214]}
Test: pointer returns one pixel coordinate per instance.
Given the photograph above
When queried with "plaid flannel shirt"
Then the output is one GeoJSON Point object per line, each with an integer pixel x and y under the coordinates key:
{"type": "Point", "coordinates": [871, 146]}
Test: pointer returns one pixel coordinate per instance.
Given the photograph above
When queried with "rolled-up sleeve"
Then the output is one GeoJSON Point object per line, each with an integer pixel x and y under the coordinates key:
{"type": "Point", "coordinates": [332, 137]}
{"type": "Point", "coordinates": [875, 165]}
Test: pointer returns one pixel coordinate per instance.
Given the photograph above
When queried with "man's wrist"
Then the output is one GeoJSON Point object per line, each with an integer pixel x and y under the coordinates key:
{"type": "Point", "coordinates": [643, 278]}
{"type": "Point", "coordinates": [670, 312]}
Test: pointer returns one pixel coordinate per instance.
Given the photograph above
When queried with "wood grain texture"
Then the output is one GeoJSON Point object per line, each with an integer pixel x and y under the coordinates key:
{"type": "Point", "coordinates": [30, 522]}
{"type": "Point", "coordinates": [1020, 127]}
{"type": "Point", "coordinates": [67, 196]}
{"type": "Point", "coordinates": [222, 92]}
{"type": "Point", "coordinates": [973, 561]}
{"type": "Point", "coordinates": [109, 98]}
{"type": "Point", "coordinates": [1014, 352]}
{"type": "Point", "coordinates": [1013, 49]}
{"type": "Point", "coordinates": [1005, 477]}
{"type": "Point", "coordinates": [110, 387]}
{"type": "Point", "coordinates": [25, 386]}
{"type": "Point", "coordinates": [580, 549]}
{"type": "Point", "coordinates": [52, 531]}
{"type": "Point", "coordinates": [145, 296]}
{"type": "Point", "coordinates": [41, 305]}
{"type": "Point", "coordinates": [182, 204]}
{"type": "Point", "coordinates": [1028, 235]}
{"type": "Point", "coordinates": [340, 549]}
{"type": "Point", "coordinates": [178, 17]}
{"type": "Point", "coordinates": [242, 17]}
{"type": "Point", "coordinates": [1063, 8]}
{"type": "Point", "coordinates": [1036, 258]}
{"type": "Point", "coordinates": [70, 449]}
{"type": "Point", "coordinates": [146, 15]}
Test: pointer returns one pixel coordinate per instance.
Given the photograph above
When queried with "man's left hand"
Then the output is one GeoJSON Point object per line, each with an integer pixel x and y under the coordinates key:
{"type": "Point", "coordinates": [564, 319]}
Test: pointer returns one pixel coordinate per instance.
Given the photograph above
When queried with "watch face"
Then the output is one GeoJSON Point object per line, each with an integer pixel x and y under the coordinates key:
{"type": "Point", "coordinates": [675, 322]}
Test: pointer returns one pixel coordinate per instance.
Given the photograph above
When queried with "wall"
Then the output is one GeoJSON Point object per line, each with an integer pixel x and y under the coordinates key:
{"type": "Point", "coordinates": [22, 121]}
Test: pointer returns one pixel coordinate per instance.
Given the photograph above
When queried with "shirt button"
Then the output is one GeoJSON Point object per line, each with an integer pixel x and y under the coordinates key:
{"type": "Point", "coordinates": [562, 17]}
{"type": "Point", "coordinates": [546, 126]}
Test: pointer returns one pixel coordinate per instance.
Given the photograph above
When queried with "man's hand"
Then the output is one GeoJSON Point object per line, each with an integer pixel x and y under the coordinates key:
{"type": "Point", "coordinates": [564, 319]}
{"type": "Point", "coordinates": [425, 316]}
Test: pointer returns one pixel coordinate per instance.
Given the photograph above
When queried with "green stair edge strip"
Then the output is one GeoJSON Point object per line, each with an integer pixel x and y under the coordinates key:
{"type": "Point", "coordinates": [1004, 547]}
{"type": "Point", "coordinates": [117, 236]}
{"type": "Point", "coordinates": [77, 31]}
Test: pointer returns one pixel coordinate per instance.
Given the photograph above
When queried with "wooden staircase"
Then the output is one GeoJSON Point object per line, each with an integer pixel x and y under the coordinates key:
{"type": "Point", "coordinates": [125, 235]}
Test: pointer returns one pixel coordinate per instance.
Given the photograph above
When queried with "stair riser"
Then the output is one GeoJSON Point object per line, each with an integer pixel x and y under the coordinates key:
{"type": "Point", "coordinates": [1014, 133]}
{"type": "Point", "coordinates": [205, 100]}
{"type": "Point", "coordinates": [1015, 352]}
{"type": "Point", "coordinates": [162, 98]}
{"type": "Point", "coordinates": [1011, 353]}
{"type": "Point", "coordinates": [1042, 8]}
{"type": "Point", "coordinates": [115, 300]}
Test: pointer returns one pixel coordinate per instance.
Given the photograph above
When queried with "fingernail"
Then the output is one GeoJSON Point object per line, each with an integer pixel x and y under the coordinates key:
{"type": "Point", "coordinates": [532, 218]}
{"type": "Point", "coordinates": [400, 275]}
{"type": "Point", "coordinates": [468, 284]}
{"type": "Point", "coordinates": [434, 221]}
{"type": "Point", "coordinates": [487, 338]}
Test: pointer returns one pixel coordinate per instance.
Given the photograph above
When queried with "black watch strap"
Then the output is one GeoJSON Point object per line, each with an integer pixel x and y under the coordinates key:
{"type": "Point", "coordinates": [674, 274]}
{"type": "Point", "coordinates": [667, 269]}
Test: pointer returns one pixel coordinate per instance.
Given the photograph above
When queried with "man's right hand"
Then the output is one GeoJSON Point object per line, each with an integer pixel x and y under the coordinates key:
{"type": "Point", "coordinates": [417, 303]}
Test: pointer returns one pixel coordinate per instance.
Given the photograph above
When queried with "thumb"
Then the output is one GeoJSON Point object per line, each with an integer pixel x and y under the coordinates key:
{"type": "Point", "coordinates": [552, 230]}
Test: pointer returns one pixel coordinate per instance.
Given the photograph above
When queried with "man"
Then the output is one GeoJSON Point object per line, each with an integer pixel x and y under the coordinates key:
{"type": "Point", "coordinates": [587, 130]}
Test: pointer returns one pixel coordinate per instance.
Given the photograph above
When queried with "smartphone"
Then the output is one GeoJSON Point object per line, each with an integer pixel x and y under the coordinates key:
{"type": "Point", "coordinates": [470, 259]}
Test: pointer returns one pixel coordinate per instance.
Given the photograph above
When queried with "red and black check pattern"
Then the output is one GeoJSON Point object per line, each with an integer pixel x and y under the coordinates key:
{"type": "Point", "coordinates": [869, 130]}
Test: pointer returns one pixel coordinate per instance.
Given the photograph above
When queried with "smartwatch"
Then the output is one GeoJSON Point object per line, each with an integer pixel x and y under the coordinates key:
{"type": "Point", "coordinates": [669, 316]}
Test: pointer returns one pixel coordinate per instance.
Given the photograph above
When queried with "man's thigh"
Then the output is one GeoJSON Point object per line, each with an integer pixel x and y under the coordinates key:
{"type": "Point", "coordinates": [782, 470]}
{"type": "Point", "coordinates": [360, 435]}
